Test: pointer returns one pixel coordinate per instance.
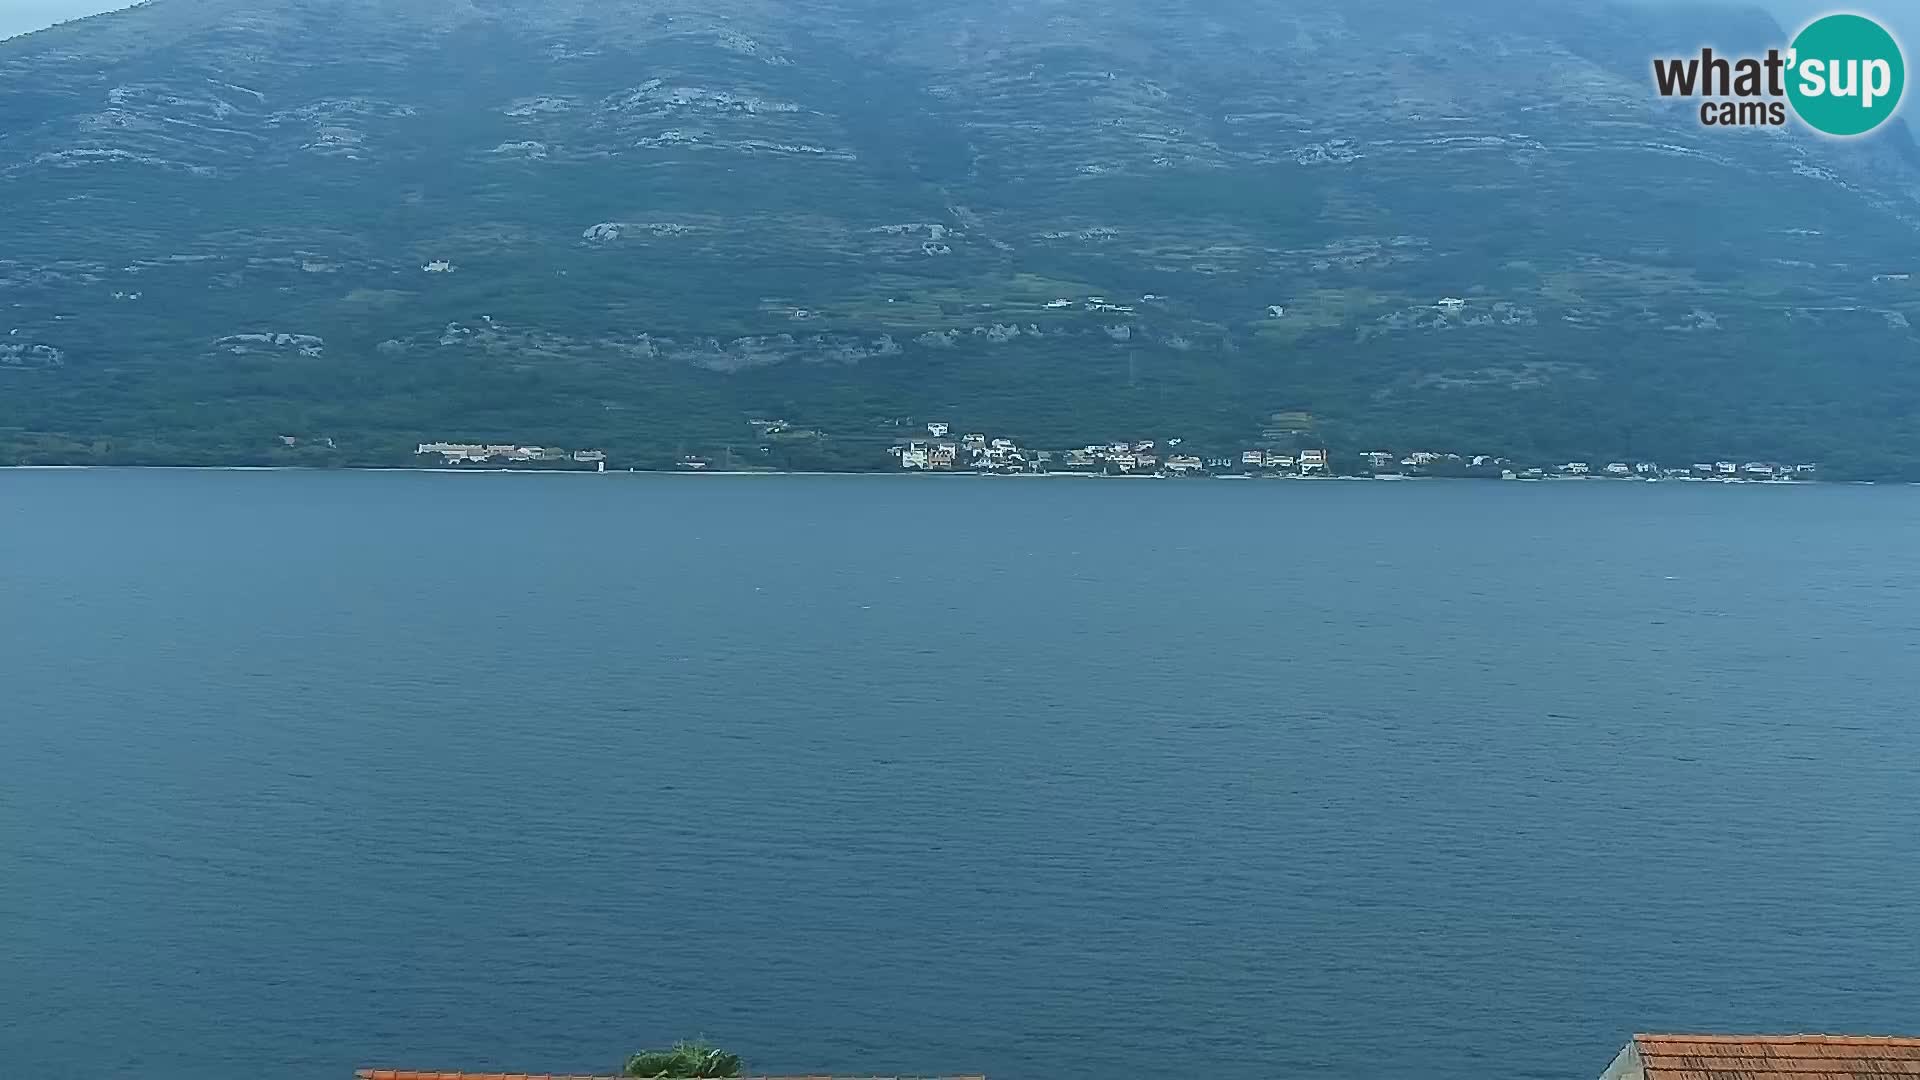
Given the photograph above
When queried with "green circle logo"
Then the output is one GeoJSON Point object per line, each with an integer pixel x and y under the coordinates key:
{"type": "Point", "coordinates": [1847, 75]}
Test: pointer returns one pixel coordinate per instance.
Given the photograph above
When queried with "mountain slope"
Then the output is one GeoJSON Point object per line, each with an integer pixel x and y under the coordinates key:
{"type": "Point", "coordinates": [638, 225]}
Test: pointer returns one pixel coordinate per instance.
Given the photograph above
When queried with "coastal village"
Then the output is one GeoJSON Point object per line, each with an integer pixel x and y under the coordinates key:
{"type": "Point", "coordinates": [454, 454]}
{"type": "Point", "coordinates": [941, 451]}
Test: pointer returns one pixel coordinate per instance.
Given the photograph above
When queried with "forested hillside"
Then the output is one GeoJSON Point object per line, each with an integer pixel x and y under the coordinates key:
{"type": "Point", "coordinates": [639, 225]}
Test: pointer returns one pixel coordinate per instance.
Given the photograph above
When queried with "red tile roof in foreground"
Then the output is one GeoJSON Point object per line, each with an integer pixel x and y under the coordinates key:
{"type": "Point", "coordinates": [403, 1074]}
{"type": "Point", "coordinates": [1777, 1057]}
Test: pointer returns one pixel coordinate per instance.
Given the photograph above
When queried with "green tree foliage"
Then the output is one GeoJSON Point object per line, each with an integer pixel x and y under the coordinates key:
{"type": "Point", "coordinates": [685, 1059]}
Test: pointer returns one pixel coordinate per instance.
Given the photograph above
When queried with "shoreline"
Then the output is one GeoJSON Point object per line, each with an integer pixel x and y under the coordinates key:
{"type": "Point", "coordinates": [904, 475]}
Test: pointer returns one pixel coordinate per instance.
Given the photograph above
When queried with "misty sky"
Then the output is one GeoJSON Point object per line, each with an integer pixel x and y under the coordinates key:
{"type": "Point", "coordinates": [20, 16]}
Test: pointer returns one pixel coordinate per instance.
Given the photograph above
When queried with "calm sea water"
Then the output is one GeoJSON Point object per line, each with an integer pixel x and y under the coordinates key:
{"type": "Point", "coordinates": [1055, 780]}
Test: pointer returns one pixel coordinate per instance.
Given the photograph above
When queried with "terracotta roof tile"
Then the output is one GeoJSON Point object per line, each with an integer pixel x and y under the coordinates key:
{"type": "Point", "coordinates": [403, 1074]}
{"type": "Point", "coordinates": [1778, 1057]}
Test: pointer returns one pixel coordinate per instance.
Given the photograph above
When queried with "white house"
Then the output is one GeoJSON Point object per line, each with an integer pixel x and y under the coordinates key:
{"type": "Point", "coordinates": [938, 430]}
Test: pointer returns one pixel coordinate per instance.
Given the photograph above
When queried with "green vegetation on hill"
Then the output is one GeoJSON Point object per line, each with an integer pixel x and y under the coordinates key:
{"type": "Point", "coordinates": [657, 227]}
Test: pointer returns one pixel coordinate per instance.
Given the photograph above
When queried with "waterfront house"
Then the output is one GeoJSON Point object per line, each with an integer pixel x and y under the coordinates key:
{"type": "Point", "coordinates": [1313, 461]}
{"type": "Point", "coordinates": [938, 430]}
{"type": "Point", "coordinates": [1253, 457]}
{"type": "Point", "coordinates": [1619, 468]}
{"type": "Point", "coordinates": [1726, 468]}
{"type": "Point", "coordinates": [1279, 461]}
{"type": "Point", "coordinates": [1379, 459]}
{"type": "Point", "coordinates": [1765, 1057]}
